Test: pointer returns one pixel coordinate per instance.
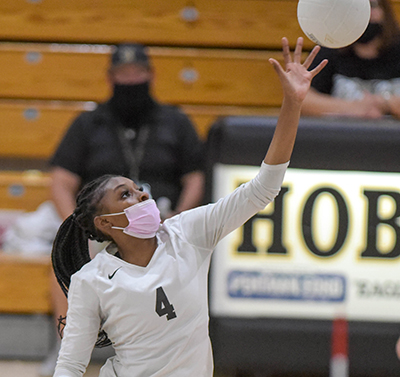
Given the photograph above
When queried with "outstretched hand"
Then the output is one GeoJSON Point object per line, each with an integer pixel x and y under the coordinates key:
{"type": "Point", "coordinates": [296, 78]}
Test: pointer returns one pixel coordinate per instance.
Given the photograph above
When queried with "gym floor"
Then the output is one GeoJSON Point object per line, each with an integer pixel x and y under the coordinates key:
{"type": "Point", "coordinates": [17, 368]}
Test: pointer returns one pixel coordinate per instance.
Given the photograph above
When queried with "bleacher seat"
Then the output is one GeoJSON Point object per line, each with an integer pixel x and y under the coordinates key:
{"type": "Point", "coordinates": [24, 190]}
{"type": "Point", "coordinates": [214, 23]}
{"type": "Point", "coordinates": [24, 284]}
{"type": "Point", "coordinates": [32, 129]}
{"type": "Point", "coordinates": [24, 280]}
{"type": "Point", "coordinates": [183, 76]}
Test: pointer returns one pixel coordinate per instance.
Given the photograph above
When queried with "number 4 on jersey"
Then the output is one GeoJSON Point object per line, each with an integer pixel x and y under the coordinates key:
{"type": "Point", "coordinates": [163, 307]}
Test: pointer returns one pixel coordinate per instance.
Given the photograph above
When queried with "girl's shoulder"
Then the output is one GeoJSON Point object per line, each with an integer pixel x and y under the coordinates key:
{"type": "Point", "coordinates": [92, 268]}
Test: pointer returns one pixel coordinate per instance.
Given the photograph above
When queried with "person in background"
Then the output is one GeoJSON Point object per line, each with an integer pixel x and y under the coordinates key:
{"type": "Point", "coordinates": [146, 291]}
{"type": "Point", "coordinates": [132, 135]}
{"type": "Point", "coordinates": [363, 79]}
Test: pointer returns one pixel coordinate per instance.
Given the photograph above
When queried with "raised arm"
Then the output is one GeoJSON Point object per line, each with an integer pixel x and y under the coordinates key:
{"type": "Point", "coordinates": [206, 226]}
{"type": "Point", "coordinates": [295, 80]}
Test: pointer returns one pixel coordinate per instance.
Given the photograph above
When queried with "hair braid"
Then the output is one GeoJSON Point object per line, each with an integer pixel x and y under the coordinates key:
{"type": "Point", "coordinates": [70, 252]}
{"type": "Point", "coordinates": [70, 248]}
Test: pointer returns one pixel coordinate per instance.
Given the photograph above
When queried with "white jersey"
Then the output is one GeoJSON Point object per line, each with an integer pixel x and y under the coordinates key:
{"type": "Point", "coordinates": [157, 316]}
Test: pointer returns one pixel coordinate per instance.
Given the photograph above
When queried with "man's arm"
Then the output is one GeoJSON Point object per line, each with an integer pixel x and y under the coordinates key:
{"type": "Point", "coordinates": [192, 191]}
{"type": "Point", "coordinates": [64, 188]}
{"type": "Point", "coordinates": [320, 104]}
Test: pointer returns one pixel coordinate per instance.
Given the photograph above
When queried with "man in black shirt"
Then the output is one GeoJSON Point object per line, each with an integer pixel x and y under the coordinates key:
{"type": "Point", "coordinates": [131, 135]}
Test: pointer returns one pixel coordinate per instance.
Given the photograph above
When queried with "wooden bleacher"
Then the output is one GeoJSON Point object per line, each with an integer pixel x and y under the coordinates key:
{"type": "Point", "coordinates": [221, 63]}
{"type": "Point", "coordinates": [23, 190]}
{"type": "Point", "coordinates": [196, 23]}
{"type": "Point", "coordinates": [24, 284]}
{"type": "Point", "coordinates": [217, 81]}
{"type": "Point", "coordinates": [183, 76]}
{"type": "Point", "coordinates": [204, 116]}
{"type": "Point", "coordinates": [24, 281]}
{"type": "Point", "coordinates": [25, 131]}
{"type": "Point", "coordinates": [32, 129]}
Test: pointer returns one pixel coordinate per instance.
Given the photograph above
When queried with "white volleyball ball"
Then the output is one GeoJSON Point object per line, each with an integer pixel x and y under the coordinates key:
{"type": "Point", "coordinates": [333, 23]}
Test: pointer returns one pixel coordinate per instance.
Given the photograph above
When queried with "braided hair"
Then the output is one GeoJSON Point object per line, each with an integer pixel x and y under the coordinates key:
{"type": "Point", "coordinates": [70, 248]}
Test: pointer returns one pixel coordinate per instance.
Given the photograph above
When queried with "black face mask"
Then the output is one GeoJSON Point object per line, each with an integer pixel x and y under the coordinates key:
{"type": "Point", "coordinates": [131, 103]}
{"type": "Point", "coordinates": [372, 31]}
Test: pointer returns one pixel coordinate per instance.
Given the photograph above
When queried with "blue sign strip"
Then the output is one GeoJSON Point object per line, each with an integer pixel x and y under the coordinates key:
{"type": "Point", "coordinates": [287, 286]}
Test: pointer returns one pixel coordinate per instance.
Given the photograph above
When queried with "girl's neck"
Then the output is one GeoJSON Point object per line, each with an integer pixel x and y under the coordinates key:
{"type": "Point", "coordinates": [137, 251]}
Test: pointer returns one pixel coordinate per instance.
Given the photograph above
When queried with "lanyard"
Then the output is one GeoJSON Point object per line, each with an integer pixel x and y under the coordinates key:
{"type": "Point", "coordinates": [133, 152]}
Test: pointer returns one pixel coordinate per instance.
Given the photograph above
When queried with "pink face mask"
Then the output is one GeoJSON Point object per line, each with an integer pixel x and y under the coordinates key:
{"type": "Point", "coordinates": [144, 219]}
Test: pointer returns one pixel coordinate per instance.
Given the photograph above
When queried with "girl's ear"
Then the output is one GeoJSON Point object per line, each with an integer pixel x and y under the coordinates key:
{"type": "Point", "coordinates": [102, 224]}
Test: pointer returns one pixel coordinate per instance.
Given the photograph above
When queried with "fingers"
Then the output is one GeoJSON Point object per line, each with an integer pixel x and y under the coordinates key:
{"type": "Point", "coordinates": [286, 51]}
{"type": "Point", "coordinates": [298, 50]}
{"type": "Point", "coordinates": [278, 68]}
{"type": "Point", "coordinates": [311, 57]}
{"type": "Point", "coordinates": [297, 57]}
{"type": "Point", "coordinates": [319, 67]}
